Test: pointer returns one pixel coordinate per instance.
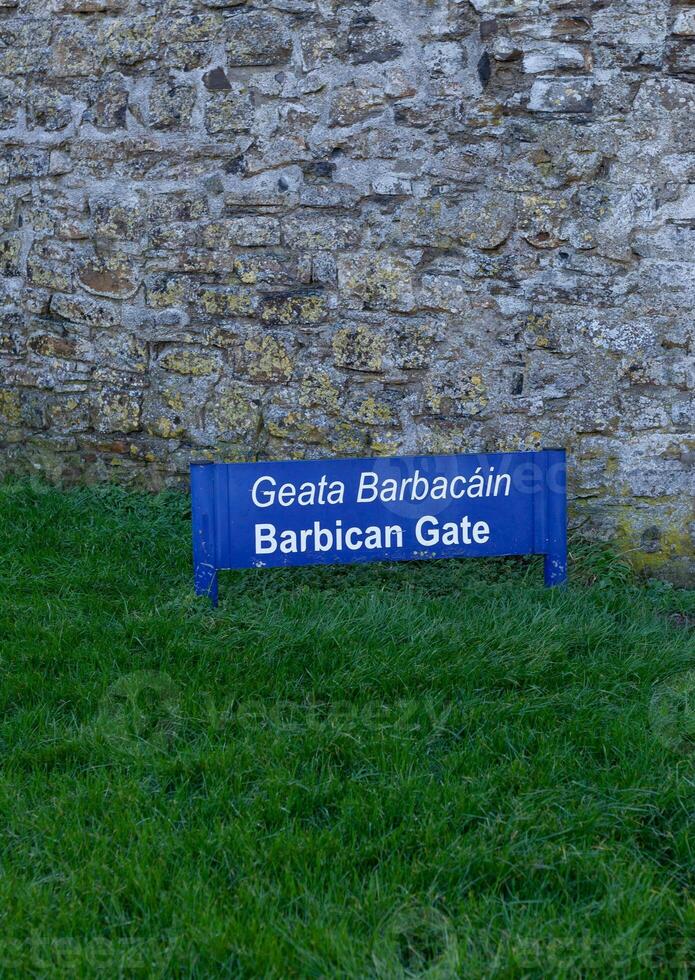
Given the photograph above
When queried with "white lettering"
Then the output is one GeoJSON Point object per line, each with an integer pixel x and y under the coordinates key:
{"type": "Point", "coordinates": [288, 542]}
{"type": "Point", "coordinates": [454, 483]}
{"type": "Point", "coordinates": [476, 482]}
{"type": "Point", "coordinates": [508, 484]}
{"type": "Point", "coordinates": [350, 538]}
{"type": "Point", "coordinates": [429, 533]}
{"type": "Point", "coordinates": [481, 532]}
{"type": "Point", "coordinates": [336, 492]}
{"type": "Point", "coordinates": [268, 496]}
{"type": "Point", "coordinates": [391, 531]}
{"type": "Point", "coordinates": [372, 538]}
{"type": "Point", "coordinates": [265, 539]}
{"type": "Point", "coordinates": [425, 536]}
{"type": "Point", "coordinates": [439, 485]}
{"type": "Point", "coordinates": [286, 495]}
{"type": "Point", "coordinates": [306, 495]}
{"type": "Point", "coordinates": [420, 481]}
{"type": "Point", "coordinates": [465, 530]}
{"type": "Point", "coordinates": [323, 539]}
{"type": "Point", "coordinates": [368, 482]}
{"type": "Point", "coordinates": [389, 490]}
{"type": "Point", "coordinates": [450, 533]}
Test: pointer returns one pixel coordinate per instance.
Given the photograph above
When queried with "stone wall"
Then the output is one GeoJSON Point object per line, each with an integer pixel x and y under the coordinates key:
{"type": "Point", "coordinates": [316, 227]}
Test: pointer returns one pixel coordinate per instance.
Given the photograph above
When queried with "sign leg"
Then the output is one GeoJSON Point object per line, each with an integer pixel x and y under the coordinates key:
{"type": "Point", "coordinates": [555, 562]}
{"type": "Point", "coordinates": [203, 520]}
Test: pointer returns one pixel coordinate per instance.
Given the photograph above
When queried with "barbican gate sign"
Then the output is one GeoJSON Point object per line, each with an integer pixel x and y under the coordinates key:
{"type": "Point", "coordinates": [340, 511]}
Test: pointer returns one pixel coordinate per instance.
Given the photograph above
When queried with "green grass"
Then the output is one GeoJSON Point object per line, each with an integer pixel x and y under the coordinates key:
{"type": "Point", "coordinates": [427, 770]}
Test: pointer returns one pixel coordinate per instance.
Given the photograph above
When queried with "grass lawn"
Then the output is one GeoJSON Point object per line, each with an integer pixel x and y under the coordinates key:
{"type": "Point", "coordinates": [429, 770]}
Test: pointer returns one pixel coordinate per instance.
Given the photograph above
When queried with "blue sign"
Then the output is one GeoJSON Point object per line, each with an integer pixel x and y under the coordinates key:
{"type": "Point", "coordinates": [399, 508]}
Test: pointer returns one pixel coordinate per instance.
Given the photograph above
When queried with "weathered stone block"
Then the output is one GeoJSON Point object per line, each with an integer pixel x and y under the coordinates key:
{"type": "Point", "coordinates": [368, 40]}
{"type": "Point", "coordinates": [192, 361]}
{"type": "Point", "coordinates": [26, 162]}
{"type": "Point", "coordinates": [302, 231]}
{"type": "Point", "coordinates": [129, 40]}
{"type": "Point", "coordinates": [684, 24]}
{"type": "Point", "coordinates": [225, 301]}
{"type": "Point", "coordinates": [108, 103]}
{"type": "Point", "coordinates": [444, 293]}
{"type": "Point", "coordinates": [10, 251]}
{"type": "Point", "coordinates": [114, 276]}
{"type": "Point", "coordinates": [631, 34]}
{"type": "Point", "coordinates": [51, 345]}
{"type": "Point", "coordinates": [216, 80]}
{"type": "Point", "coordinates": [223, 3]}
{"type": "Point", "coordinates": [485, 220]}
{"type": "Point", "coordinates": [244, 231]}
{"type": "Point", "coordinates": [50, 265]}
{"type": "Point", "coordinates": [360, 348]}
{"type": "Point", "coordinates": [80, 309]}
{"type": "Point", "coordinates": [503, 7]}
{"type": "Point", "coordinates": [256, 38]}
{"type": "Point", "coordinates": [116, 411]}
{"type": "Point", "coordinates": [73, 51]}
{"type": "Point", "coordinates": [551, 57]}
{"type": "Point", "coordinates": [48, 110]}
{"type": "Point", "coordinates": [179, 206]}
{"type": "Point", "coordinates": [170, 105]}
{"type": "Point", "coordinates": [26, 46]}
{"type": "Point", "coordinates": [117, 219]}
{"type": "Point", "coordinates": [354, 103]}
{"type": "Point", "coordinates": [11, 99]}
{"type": "Point", "coordinates": [566, 95]}
{"type": "Point", "coordinates": [267, 358]}
{"type": "Point", "coordinates": [228, 112]}
{"type": "Point", "coordinates": [376, 280]}
{"type": "Point", "coordinates": [87, 6]}
{"type": "Point", "coordinates": [233, 411]}
{"type": "Point", "coordinates": [10, 406]}
{"type": "Point", "coordinates": [300, 306]}
{"type": "Point", "coordinates": [455, 393]}
{"type": "Point", "coordinates": [541, 218]}
{"type": "Point", "coordinates": [163, 291]}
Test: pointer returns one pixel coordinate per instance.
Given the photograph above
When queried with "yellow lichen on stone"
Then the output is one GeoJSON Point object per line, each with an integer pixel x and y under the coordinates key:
{"type": "Point", "coordinates": [433, 399]}
{"type": "Point", "coordinates": [187, 362]}
{"type": "Point", "coordinates": [297, 427]}
{"type": "Point", "coordinates": [381, 284]}
{"type": "Point", "coordinates": [674, 540]}
{"type": "Point", "coordinates": [371, 412]}
{"type": "Point", "coordinates": [359, 348]}
{"type": "Point", "coordinates": [169, 294]}
{"type": "Point", "coordinates": [316, 389]}
{"type": "Point", "coordinates": [347, 440]}
{"type": "Point", "coordinates": [231, 411]}
{"type": "Point", "coordinates": [385, 445]}
{"type": "Point", "coordinates": [174, 399]}
{"type": "Point", "coordinates": [10, 407]}
{"type": "Point", "coordinates": [268, 359]}
{"type": "Point", "coordinates": [538, 325]}
{"type": "Point", "coordinates": [295, 309]}
{"type": "Point", "coordinates": [245, 274]}
{"type": "Point", "coordinates": [165, 428]}
{"type": "Point", "coordinates": [117, 411]}
{"type": "Point", "coordinates": [218, 302]}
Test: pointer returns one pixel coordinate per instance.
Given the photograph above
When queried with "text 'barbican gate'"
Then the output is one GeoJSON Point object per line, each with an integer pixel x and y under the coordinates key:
{"type": "Point", "coordinates": [255, 515]}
